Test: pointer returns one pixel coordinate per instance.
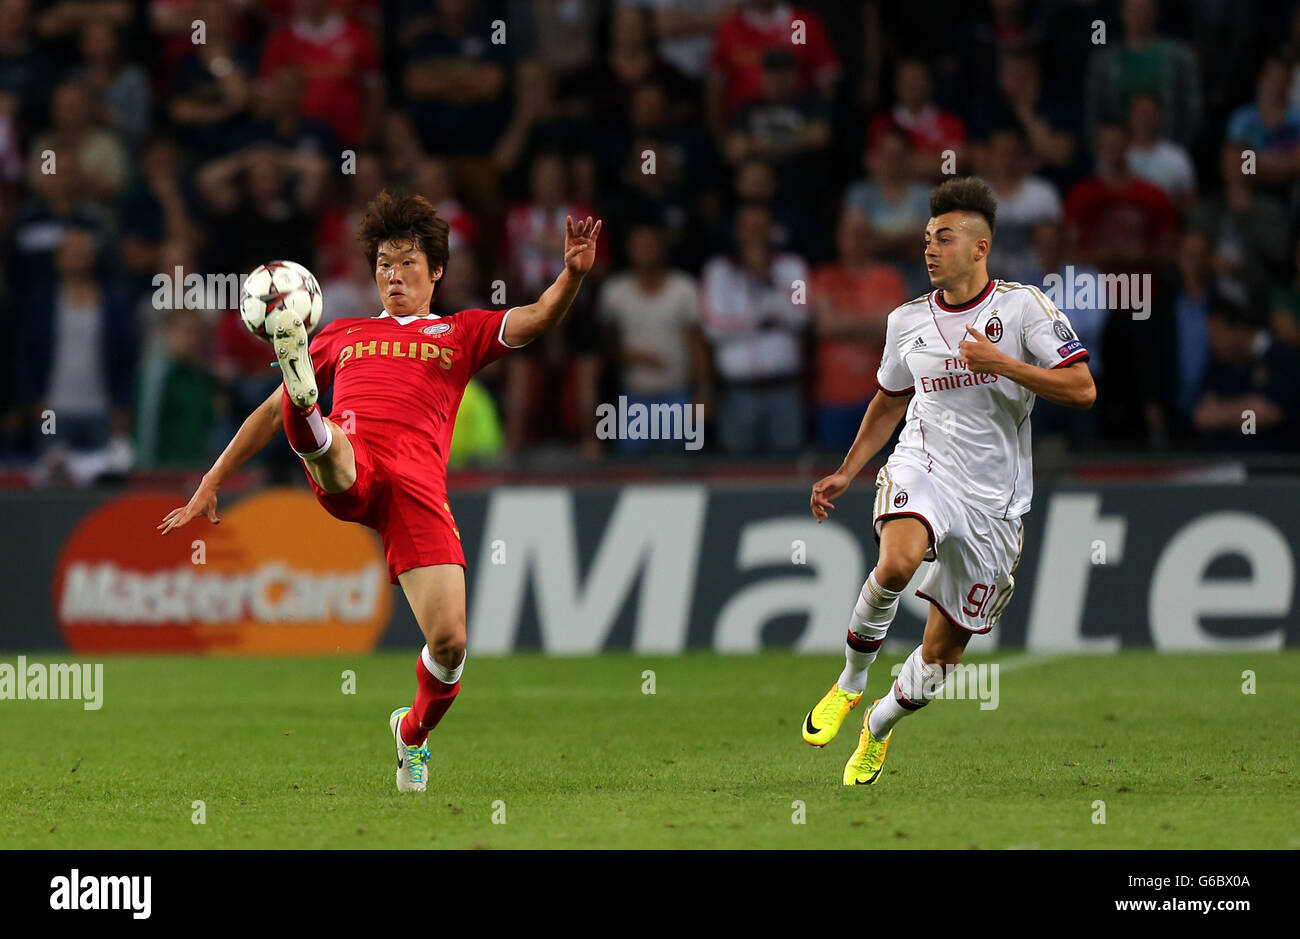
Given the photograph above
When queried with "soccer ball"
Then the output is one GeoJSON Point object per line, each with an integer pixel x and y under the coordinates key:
{"type": "Point", "coordinates": [279, 285]}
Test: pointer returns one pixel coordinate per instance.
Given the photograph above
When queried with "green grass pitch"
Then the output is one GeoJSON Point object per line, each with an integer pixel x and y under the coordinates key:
{"type": "Point", "coordinates": [570, 753]}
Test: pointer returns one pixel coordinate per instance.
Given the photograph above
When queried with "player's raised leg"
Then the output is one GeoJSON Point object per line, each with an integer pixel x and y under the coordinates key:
{"type": "Point", "coordinates": [323, 446]}
{"type": "Point", "coordinates": [903, 543]}
{"type": "Point", "coordinates": [919, 682]}
{"type": "Point", "coordinates": [436, 594]}
{"type": "Point", "coordinates": [288, 336]}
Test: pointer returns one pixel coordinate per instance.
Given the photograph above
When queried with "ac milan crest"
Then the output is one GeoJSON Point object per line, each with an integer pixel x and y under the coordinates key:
{"type": "Point", "coordinates": [993, 329]}
{"type": "Point", "coordinates": [900, 500]}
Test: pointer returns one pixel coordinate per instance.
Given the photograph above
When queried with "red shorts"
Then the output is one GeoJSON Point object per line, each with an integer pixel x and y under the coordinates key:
{"type": "Point", "coordinates": [409, 511]}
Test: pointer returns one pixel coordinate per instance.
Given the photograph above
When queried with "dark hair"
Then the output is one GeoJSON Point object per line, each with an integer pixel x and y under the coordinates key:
{"type": "Point", "coordinates": [965, 194]}
{"type": "Point", "coordinates": [404, 219]}
{"type": "Point", "coordinates": [647, 21]}
{"type": "Point", "coordinates": [1012, 128]}
{"type": "Point", "coordinates": [746, 204]}
{"type": "Point", "coordinates": [891, 130]}
{"type": "Point", "coordinates": [646, 219]}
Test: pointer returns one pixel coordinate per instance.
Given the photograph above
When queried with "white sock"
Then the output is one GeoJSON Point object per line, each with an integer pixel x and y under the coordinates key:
{"type": "Point", "coordinates": [448, 676]}
{"type": "Point", "coordinates": [918, 684]}
{"type": "Point", "coordinates": [316, 421]}
{"type": "Point", "coordinates": [872, 615]}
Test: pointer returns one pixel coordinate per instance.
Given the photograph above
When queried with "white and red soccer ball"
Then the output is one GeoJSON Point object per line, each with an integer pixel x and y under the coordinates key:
{"type": "Point", "coordinates": [279, 285]}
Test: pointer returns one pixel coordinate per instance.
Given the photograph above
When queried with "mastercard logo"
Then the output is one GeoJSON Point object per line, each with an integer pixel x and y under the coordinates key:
{"type": "Point", "coordinates": [279, 575]}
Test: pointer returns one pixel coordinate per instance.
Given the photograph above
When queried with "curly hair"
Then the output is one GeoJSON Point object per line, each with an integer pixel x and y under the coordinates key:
{"type": "Point", "coordinates": [406, 220]}
{"type": "Point", "coordinates": [966, 194]}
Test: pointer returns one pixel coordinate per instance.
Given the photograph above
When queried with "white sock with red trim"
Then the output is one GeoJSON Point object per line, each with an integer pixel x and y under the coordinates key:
{"type": "Point", "coordinates": [872, 615]}
{"type": "Point", "coordinates": [918, 683]}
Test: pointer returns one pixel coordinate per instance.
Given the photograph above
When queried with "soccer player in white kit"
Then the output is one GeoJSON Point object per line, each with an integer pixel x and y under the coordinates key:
{"type": "Point", "coordinates": [964, 364]}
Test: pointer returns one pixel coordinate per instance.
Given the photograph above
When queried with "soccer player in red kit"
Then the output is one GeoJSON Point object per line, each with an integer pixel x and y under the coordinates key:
{"type": "Point", "coordinates": [398, 378]}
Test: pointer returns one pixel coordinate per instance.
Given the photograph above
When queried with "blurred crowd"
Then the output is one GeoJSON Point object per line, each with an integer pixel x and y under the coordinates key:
{"type": "Point", "coordinates": [762, 167]}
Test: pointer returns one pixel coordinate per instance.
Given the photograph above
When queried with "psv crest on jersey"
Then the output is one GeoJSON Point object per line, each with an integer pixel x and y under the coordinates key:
{"type": "Point", "coordinates": [436, 329]}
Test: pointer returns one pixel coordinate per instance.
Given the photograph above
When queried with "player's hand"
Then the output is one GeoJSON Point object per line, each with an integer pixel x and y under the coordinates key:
{"type": "Point", "coordinates": [203, 502]}
{"type": "Point", "coordinates": [580, 245]}
{"type": "Point", "coordinates": [979, 353]}
{"type": "Point", "coordinates": [823, 491]}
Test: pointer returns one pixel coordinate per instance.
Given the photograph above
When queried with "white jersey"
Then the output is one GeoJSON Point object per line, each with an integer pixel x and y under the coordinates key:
{"type": "Point", "coordinates": [971, 431]}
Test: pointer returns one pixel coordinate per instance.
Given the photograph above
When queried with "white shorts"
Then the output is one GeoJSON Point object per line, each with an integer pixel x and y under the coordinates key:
{"type": "Point", "coordinates": [974, 554]}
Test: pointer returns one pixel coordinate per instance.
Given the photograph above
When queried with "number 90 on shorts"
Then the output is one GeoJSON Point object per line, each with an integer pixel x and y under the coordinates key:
{"type": "Point", "coordinates": [974, 555]}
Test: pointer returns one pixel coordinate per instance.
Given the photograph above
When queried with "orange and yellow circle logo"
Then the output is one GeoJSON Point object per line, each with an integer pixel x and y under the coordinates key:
{"type": "Point", "coordinates": [279, 575]}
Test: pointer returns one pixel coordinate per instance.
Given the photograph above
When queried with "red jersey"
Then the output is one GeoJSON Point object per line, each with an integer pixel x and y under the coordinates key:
{"type": "Point", "coordinates": [931, 131]}
{"type": "Point", "coordinates": [1124, 221]}
{"type": "Point", "coordinates": [338, 60]}
{"type": "Point", "coordinates": [742, 38]}
{"type": "Point", "coordinates": [398, 381]}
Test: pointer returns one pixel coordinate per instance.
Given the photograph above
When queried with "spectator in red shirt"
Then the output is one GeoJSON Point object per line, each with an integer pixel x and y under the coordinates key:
{"type": "Point", "coordinates": [851, 302]}
{"type": "Point", "coordinates": [1126, 226]}
{"type": "Point", "coordinates": [1120, 222]}
{"type": "Point", "coordinates": [340, 63]}
{"type": "Point", "coordinates": [930, 130]}
{"type": "Point", "coordinates": [736, 62]}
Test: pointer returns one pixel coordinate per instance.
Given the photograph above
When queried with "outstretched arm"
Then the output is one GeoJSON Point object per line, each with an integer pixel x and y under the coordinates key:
{"type": "Point", "coordinates": [254, 434]}
{"type": "Point", "coordinates": [526, 323]}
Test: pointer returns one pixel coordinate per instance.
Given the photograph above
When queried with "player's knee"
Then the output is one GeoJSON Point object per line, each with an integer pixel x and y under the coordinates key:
{"type": "Point", "coordinates": [333, 472]}
{"type": "Point", "coordinates": [941, 654]}
{"type": "Point", "coordinates": [447, 644]}
{"type": "Point", "coordinates": [448, 654]}
{"type": "Point", "coordinates": [894, 570]}
{"type": "Point", "coordinates": [943, 648]}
